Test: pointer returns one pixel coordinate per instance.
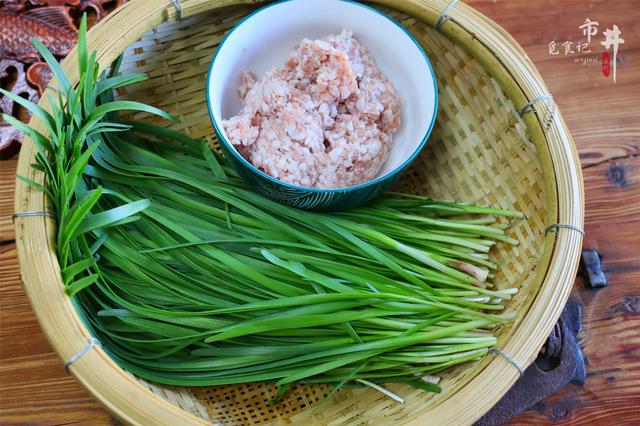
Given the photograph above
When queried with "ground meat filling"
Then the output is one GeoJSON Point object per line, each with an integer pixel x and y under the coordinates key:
{"type": "Point", "coordinates": [325, 120]}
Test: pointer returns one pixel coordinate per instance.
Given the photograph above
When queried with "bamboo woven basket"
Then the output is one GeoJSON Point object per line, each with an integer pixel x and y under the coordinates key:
{"type": "Point", "coordinates": [489, 146]}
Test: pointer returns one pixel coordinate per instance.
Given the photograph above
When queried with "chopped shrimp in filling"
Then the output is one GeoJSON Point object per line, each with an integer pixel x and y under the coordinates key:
{"type": "Point", "coordinates": [325, 120]}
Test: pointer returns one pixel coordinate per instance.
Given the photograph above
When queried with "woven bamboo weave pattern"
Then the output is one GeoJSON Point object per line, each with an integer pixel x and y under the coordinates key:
{"type": "Point", "coordinates": [479, 152]}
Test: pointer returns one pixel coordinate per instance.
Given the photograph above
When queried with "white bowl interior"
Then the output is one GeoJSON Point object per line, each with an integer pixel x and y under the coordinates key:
{"type": "Point", "coordinates": [265, 39]}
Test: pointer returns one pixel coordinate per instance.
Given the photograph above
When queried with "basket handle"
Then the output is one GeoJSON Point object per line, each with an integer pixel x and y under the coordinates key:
{"type": "Point", "coordinates": [193, 7]}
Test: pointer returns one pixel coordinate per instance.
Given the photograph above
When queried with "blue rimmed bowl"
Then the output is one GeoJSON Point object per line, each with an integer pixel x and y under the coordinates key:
{"type": "Point", "coordinates": [265, 38]}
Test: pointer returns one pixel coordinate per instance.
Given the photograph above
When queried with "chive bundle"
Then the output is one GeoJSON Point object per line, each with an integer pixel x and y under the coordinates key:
{"type": "Point", "coordinates": [215, 284]}
{"type": "Point", "coordinates": [190, 278]}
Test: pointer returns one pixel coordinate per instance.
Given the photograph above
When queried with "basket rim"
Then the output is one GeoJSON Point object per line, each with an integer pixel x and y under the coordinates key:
{"type": "Point", "coordinates": [506, 61]}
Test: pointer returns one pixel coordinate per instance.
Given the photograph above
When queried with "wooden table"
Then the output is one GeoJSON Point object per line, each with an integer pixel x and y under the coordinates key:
{"type": "Point", "coordinates": [605, 121]}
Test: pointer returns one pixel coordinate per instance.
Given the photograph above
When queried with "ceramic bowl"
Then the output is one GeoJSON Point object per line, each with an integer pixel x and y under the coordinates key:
{"type": "Point", "coordinates": [265, 38]}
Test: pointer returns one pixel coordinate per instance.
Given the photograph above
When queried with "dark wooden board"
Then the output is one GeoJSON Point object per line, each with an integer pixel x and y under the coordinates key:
{"type": "Point", "coordinates": [604, 120]}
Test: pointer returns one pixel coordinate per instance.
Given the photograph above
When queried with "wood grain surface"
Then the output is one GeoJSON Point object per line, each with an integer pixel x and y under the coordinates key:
{"type": "Point", "coordinates": [605, 121]}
